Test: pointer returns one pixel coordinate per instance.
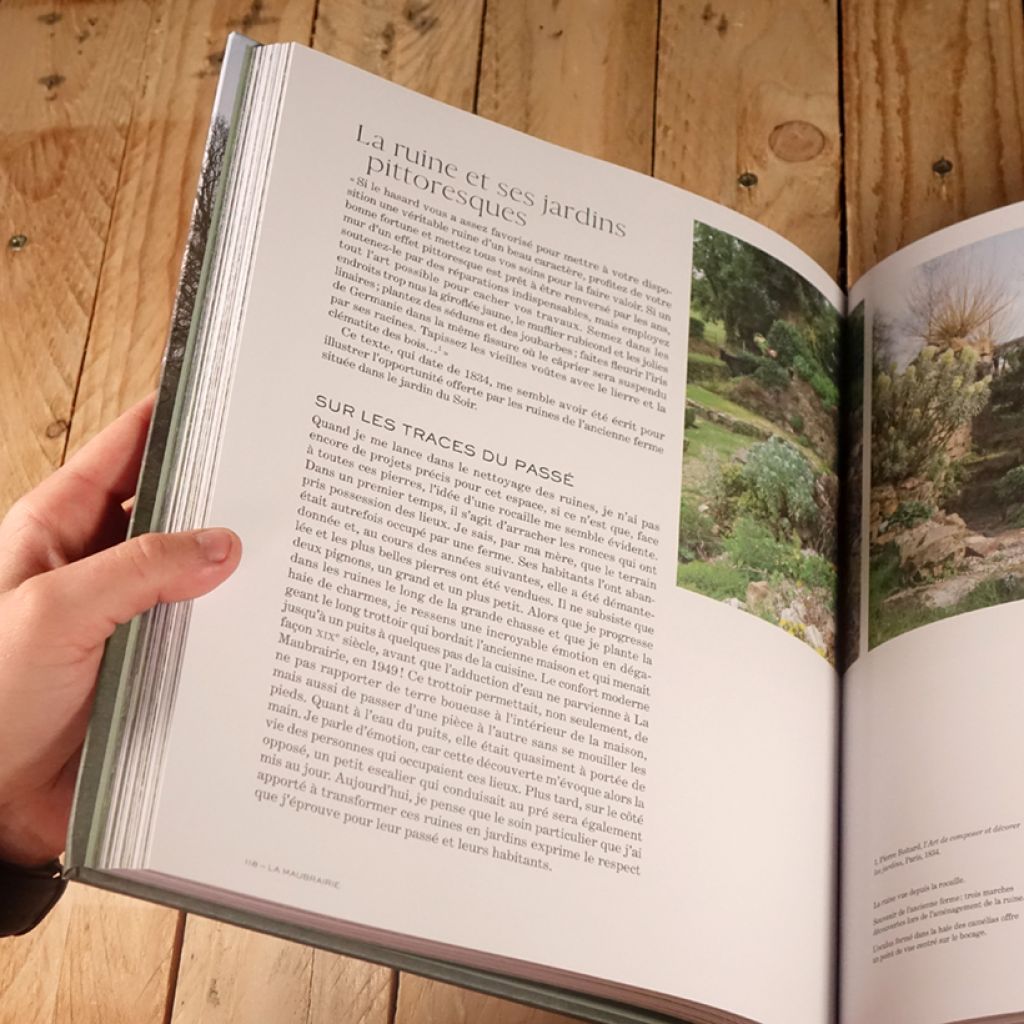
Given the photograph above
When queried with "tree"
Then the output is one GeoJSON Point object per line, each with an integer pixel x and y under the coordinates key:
{"type": "Point", "coordinates": [915, 414]}
{"type": "Point", "coordinates": [1008, 384]}
{"type": "Point", "coordinates": [952, 304]}
{"type": "Point", "coordinates": [748, 290]}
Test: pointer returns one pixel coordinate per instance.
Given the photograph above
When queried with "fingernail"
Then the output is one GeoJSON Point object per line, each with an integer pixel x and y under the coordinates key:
{"type": "Point", "coordinates": [215, 545]}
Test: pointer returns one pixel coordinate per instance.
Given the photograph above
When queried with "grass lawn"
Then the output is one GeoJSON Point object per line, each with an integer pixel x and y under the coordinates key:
{"type": "Point", "coordinates": [714, 331]}
{"type": "Point", "coordinates": [901, 616]}
{"type": "Point", "coordinates": [712, 400]}
{"type": "Point", "coordinates": [709, 439]}
{"type": "Point", "coordinates": [706, 360]}
{"type": "Point", "coordinates": [708, 444]}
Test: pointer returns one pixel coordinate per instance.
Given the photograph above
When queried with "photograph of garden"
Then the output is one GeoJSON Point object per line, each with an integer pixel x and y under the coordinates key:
{"type": "Point", "coordinates": [947, 445]}
{"type": "Point", "coordinates": [851, 451]}
{"type": "Point", "coordinates": [758, 508]}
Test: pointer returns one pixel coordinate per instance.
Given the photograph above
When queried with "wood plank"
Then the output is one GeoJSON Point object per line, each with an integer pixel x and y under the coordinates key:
{"type": "Point", "coordinates": [28, 989]}
{"type": "Point", "coordinates": [232, 975]}
{"type": "Point", "coordinates": [67, 108]}
{"type": "Point", "coordinates": [753, 89]}
{"type": "Point", "coordinates": [229, 975]}
{"type": "Point", "coordinates": [927, 83]}
{"type": "Point", "coordinates": [431, 46]}
{"type": "Point", "coordinates": [580, 75]}
{"type": "Point", "coordinates": [90, 962]}
{"type": "Point", "coordinates": [430, 1002]}
{"type": "Point", "coordinates": [119, 958]}
{"type": "Point", "coordinates": [116, 939]}
{"type": "Point", "coordinates": [63, 124]}
{"type": "Point", "coordinates": [154, 200]}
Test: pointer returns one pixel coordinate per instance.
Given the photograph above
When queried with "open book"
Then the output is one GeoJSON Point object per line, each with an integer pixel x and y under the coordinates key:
{"type": "Point", "coordinates": [563, 495]}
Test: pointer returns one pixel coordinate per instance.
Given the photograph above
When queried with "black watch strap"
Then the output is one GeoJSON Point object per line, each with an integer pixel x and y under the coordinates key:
{"type": "Point", "coordinates": [27, 895]}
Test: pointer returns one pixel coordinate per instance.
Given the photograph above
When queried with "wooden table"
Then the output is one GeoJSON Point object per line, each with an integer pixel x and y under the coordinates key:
{"type": "Point", "coordinates": [849, 142]}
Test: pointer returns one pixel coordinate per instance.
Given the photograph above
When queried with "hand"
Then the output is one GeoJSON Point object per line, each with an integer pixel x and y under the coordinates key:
{"type": "Point", "coordinates": [65, 583]}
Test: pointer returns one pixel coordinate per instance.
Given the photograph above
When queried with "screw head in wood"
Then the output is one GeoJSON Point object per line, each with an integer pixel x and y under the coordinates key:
{"type": "Point", "coordinates": [747, 179]}
{"type": "Point", "coordinates": [17, 242]}
{"type": "Point", "coordinates": [942, 167]}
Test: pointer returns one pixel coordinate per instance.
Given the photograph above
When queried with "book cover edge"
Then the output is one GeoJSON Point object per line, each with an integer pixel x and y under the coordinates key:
{"type": "Point", "coordinates": [88, 810]}
{"type": "Point", "coordinates": [505, 986]}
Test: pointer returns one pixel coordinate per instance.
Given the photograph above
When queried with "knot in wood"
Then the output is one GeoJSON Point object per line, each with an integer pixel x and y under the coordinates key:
{"type": "Point", "coordinates": [796, 141]}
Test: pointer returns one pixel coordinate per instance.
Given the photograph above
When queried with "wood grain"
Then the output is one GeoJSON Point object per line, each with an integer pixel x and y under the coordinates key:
{"type": "Point", "coordinates": [926, 82]}
{"type": "Point", "coordinates": [431, 1002]}
{"type": "Point", "coordinates": [154, 200]}
{"type": "Point", "coordinates": [95, 960]}
{"type": "Point", "coordinates": [753, 89]}
{"type": "Point", "coordinates": [119, 955]}
{"type": "Point", "coordinates": [65, 115]}
{"type": "Point", "coordinates": [431, 46]}
{"type": "Point", "coordinates": [119, 960]}
{"type": "Point", "coordinates": [30, 968]}
{"type": "Point", "coordinates": [229, 976]}
{"type": "Point", "coordinates": [578, 74]}
{"type": "Point", "coordinates": [104, 108]}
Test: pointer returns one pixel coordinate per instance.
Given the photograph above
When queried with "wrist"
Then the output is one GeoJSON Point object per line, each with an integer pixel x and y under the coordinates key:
{"type": "Point", "coordinates": [28, 895]}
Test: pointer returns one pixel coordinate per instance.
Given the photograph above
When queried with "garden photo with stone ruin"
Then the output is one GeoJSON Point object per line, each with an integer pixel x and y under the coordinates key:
{"type": "Point", "coordinates": [947, 438]}
{"type": "Point", "coordinates": [758, 506]}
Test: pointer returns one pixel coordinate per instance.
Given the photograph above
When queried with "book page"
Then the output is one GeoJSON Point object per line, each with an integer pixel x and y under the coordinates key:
{"type": "Point", "coordinates": [933, 862]}
{"type": "Point", "coordinates": [463, 686]}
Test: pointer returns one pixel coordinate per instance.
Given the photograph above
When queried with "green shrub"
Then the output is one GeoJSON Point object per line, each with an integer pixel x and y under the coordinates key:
{"type": "Point", "coordinates": [796, 421]}
{"type": "Point", "coordinates": [719, 580]}
{"type": "Point", "coordinates": [779, 488]}
{"type": "Point", "coordinates": [823, 385]}
{"type": "Point", "coordinates": [795, 347]}
{"type": "Point", "coordinates": [816, 571]}
{"type": "Point", "coordinates": [690, 417]}
{"type": "Point", "coordinates": [726, 489]}
{"type": "Point", "coordinates": [771, 375]}
{"type": "Point", "coordinates": [789, 342]}
{"type": "Point", "coordinates": [885, 576]}
{"type": "Point", "coordinates": [696, 327]}
{"type": "Point", "coordinates": [697, 537]}
{"type": "Point", "coordinates": [753, 548]}
{"type": "Point", "coordinates": [914, 414]}
{"type": "Point", "coordinates": [1008, 386]}
{"type": "Point", "coordinates": [1010, 487]}
{"type": "Point", "coordinates": [825, 388]}
{"type": "Point", "coordinates": [742, 363]}
{"type": "Point", "coordinates": [909, 514]}
{"type": "Point", "coordinates": [705, 369]}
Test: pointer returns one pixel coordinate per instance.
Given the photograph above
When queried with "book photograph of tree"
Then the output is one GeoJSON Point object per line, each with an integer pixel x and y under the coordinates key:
{"type": "Point", "coordinates": [758, 506]}
{"type": "Point", "coordinates": [947, 444]}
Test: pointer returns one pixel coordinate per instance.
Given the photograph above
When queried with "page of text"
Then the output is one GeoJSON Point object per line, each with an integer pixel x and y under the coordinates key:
{"type": "Point", "coordinates": [465, 686]}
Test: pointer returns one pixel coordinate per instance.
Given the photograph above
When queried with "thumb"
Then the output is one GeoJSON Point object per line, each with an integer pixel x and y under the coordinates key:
{"type": "Point", "coordinates": [86, 600]}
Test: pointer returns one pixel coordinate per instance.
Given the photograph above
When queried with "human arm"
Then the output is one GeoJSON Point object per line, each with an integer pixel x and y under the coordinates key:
{"type": "Point", "coordinates": [67, 579]}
